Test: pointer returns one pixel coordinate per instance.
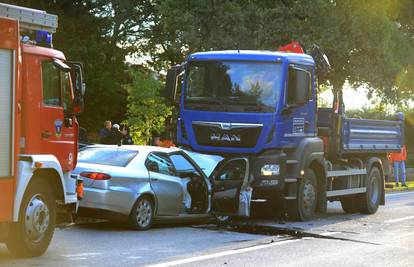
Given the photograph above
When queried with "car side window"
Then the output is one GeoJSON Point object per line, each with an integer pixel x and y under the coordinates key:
{"type": "Point", "coordinates": [160, 163]}
{"type": "Point", "coordinates": [182, 165]}
{"type": "Point", "coordinates": [234, 170]}
{"type": "Point", "coordinates": [51, 84]}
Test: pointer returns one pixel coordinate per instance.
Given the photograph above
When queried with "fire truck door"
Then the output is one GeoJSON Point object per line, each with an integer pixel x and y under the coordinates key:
{"type": "Point", "coordinates": [58, 131]}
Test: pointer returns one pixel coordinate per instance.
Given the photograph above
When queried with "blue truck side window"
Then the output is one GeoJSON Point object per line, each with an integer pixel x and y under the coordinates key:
{"type": "Point", "coordinates": [299, 85]}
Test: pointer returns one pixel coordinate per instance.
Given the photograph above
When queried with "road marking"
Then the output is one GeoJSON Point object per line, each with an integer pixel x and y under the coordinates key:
{"type": "Point", "coordinates": [330, 233]}
{"type": "Point", "coordinates": [134, 257]}
{"type": "Point", "coordinates": [222, 253]}
{"type": "Point", "coordinates": [399, 194]}
{"type": "Point", "coordinates": [82, 254]}
{"type": "Point", "coordinates": [400, 219]}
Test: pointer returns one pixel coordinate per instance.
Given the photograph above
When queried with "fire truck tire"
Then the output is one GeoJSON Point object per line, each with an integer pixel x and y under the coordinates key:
{"type": "Point", "coordinates": [31, 235]}
{"type": "Point", "coordinates": [350, 204]}
{"type": "Point", "coordinates": [304, 206]}
{"type": "Point", "coordinates": [142, 214]}
{"type": "Point", "coordinates": [369, 201]}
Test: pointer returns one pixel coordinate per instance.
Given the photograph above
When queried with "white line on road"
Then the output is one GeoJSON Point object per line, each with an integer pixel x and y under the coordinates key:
{"type": "Point", "coordinates": [330, 233]}
{"type": "Point", "coordinates": [400, 219]}
{"type": "Point", "coordinates": [399, 194]}
{"type": "Point", "coordinates": [82, 254]}
{"type": "Point", "coordinates": [222, 253]}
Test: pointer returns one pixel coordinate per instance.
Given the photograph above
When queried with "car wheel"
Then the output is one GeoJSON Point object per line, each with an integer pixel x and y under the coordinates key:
{"type": "Point", "coordinates": [304, 206]}
{"type": "Point", "coordinates": [142, 214]}
{"type": "Point", "coordinates": [222, 219]}
{"type": "Point", "coordinates": [31, 235]}
{"type": "Point", "coordinates": [370, 200]}
{"type": "Point", "coordinates": [350, 204]}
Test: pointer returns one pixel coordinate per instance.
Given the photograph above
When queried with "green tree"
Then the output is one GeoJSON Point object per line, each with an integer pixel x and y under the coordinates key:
{"type": "Point", "coordinates": [81, 36]}
{"type": "Point", "coordinates": [367, 41]}
{"type": "Point", "coordinates": [146, 111]}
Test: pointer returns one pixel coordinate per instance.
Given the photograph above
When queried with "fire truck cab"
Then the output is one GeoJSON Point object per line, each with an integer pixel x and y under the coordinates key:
{"type": "Point", "coordinates": [40, 95]}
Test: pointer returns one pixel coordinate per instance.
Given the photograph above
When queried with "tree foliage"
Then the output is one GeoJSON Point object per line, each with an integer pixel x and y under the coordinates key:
{"type": "Point", "coordinates": [146, 112]}
{"type": "Point", "coordinates": [367, 41]}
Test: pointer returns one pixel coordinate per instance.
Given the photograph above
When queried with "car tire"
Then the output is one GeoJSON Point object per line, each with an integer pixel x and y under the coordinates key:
{"type": "Point", "coordinates": [222, 220]}
{"type": "Point", "coordinates": [303, 208]}
{"type": "Point", "coordinates": [369, 201]}
{"type": "Point", "coordinates": [31, 235]}
{"type": "Point", "coordinates": [142, 214]}
{"type": "Point", "coordinates": [350, 204]}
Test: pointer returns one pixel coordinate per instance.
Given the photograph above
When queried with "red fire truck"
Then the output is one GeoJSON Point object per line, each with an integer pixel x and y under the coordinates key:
{"type": "Point", "coordinates": [40, 94]}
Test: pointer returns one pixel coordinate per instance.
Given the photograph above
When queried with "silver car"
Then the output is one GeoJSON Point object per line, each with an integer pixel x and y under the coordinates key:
{"type": "Point", "coordinates": [141, 183]}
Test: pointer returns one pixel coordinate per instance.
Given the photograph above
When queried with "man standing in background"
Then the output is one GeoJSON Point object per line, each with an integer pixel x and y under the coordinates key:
{"type": "Point", "coordinates": [104, 132]}
{"type": "Point", "coordinates": [398, 159]}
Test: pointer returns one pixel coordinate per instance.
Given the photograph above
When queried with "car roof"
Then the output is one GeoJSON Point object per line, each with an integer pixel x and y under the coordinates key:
{"type": "Point", "coordinates": [139, 148]}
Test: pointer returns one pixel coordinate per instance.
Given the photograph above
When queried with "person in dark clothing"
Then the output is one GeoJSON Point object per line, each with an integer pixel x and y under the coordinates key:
{"type": "Point", "coordinates": [115, 136]}
{"type": "Point", "coordinates": [83, 135]}
{"type": "Point", "coordinates": [126, 138]}
{"type": "Point", "coordinates": [104, 132]}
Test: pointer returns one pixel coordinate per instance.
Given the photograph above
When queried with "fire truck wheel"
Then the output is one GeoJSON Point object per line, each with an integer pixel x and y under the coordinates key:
{"type": "Point", "coordinates": [304, 206]}
{"type": "Point", "coordinates": [142, 214]}
{"type": "Point", "coordinates": [31, 235]}
{"type": "Point", "coordinates": [350, 204]}
{"type": "Point", "coordinates": [370, 200]}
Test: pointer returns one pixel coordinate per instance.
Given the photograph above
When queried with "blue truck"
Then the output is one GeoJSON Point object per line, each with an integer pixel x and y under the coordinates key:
{"type": "Point", "coordinates": [263, 105]}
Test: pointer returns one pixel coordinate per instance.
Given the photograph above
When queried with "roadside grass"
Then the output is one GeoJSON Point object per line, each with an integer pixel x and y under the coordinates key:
{"type": "Point", "coordinates": [390, 187]}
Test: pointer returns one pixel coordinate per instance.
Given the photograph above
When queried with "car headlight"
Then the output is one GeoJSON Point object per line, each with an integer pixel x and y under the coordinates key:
{"type": "Point", "coordinates": [270, 170]}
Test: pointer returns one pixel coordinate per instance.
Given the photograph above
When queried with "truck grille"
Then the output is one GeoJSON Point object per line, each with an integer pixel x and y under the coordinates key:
{"type": "Point", "coordinates": [226, 134]}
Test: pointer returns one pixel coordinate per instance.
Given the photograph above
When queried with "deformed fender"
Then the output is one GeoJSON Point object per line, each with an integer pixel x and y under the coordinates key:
{"type": "Point", "coordinates": [25, 170]}
{"type": "Point", "coordinates": [377, 161]}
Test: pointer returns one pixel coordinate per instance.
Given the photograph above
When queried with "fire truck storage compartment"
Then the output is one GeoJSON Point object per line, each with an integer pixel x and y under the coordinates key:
{"type": "Point", "coordinates": [6, 97]}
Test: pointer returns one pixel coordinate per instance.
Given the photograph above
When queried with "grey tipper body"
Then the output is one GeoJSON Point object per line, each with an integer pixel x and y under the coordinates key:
{"type": "Point", "coordinates": [169, 194]}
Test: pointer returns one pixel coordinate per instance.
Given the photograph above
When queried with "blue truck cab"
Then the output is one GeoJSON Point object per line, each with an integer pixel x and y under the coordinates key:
{"type": "Point", "coordinates": [263, 105]}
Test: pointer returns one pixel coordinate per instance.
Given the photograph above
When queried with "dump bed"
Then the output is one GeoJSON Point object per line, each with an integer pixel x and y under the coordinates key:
{"type": "Point", "coordinates": [371, 136]}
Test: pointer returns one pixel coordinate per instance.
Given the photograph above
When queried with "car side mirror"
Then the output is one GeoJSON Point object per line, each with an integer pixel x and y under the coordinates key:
{"type": "Point", "coordinates": [79, 86]}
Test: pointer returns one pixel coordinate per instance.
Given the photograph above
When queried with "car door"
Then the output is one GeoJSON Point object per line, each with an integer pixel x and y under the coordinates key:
{"type": "Point", "coordinates": [231, 188]}
{"type": "Point", "coordinates": [165, 184]}
{"type": "Point", "coordinates": [194, 182]}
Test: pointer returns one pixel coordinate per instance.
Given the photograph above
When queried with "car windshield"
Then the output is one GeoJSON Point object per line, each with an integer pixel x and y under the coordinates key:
{"type": "Point", "coordinates": [240, 86]}
{"type": "Point", "coordinates": [206, 162]}
{"type": "Point", "coordinates": [106, 156]}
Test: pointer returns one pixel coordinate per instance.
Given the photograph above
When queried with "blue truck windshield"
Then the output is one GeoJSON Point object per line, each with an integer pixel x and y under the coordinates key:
{"type": "Point", "coordinates": [234, 86]}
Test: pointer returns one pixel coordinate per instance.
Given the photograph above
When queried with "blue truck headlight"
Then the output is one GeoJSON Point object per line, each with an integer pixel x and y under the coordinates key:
{"type": "Point", "coordinates": [270, 170]}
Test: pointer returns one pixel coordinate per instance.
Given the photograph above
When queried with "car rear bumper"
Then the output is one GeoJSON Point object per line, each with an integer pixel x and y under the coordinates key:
{"type": "Point", "coordinates": [119, 200]}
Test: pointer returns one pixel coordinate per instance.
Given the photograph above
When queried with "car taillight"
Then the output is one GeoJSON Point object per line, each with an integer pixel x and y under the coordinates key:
{"type": "Point", "coordinates": [96, 175]}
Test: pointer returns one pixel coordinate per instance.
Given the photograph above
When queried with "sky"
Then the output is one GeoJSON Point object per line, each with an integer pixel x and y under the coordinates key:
{"type": "Point", "coordinates": [353, 98]}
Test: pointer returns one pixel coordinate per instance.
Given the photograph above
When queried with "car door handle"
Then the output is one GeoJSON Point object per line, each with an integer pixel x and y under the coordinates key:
{"type": "Point", "coordinates": [154, 179]}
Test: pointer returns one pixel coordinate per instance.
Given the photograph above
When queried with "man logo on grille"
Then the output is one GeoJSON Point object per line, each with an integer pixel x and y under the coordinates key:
{"type": "Point", "coordinates": [225, 137]}
{"type": "Point", "coordinates": [226, 126]}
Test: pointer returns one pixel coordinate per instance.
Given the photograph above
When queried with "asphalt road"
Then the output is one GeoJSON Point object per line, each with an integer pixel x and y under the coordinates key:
{"type": "Point", "coordinates": [337, 239]}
